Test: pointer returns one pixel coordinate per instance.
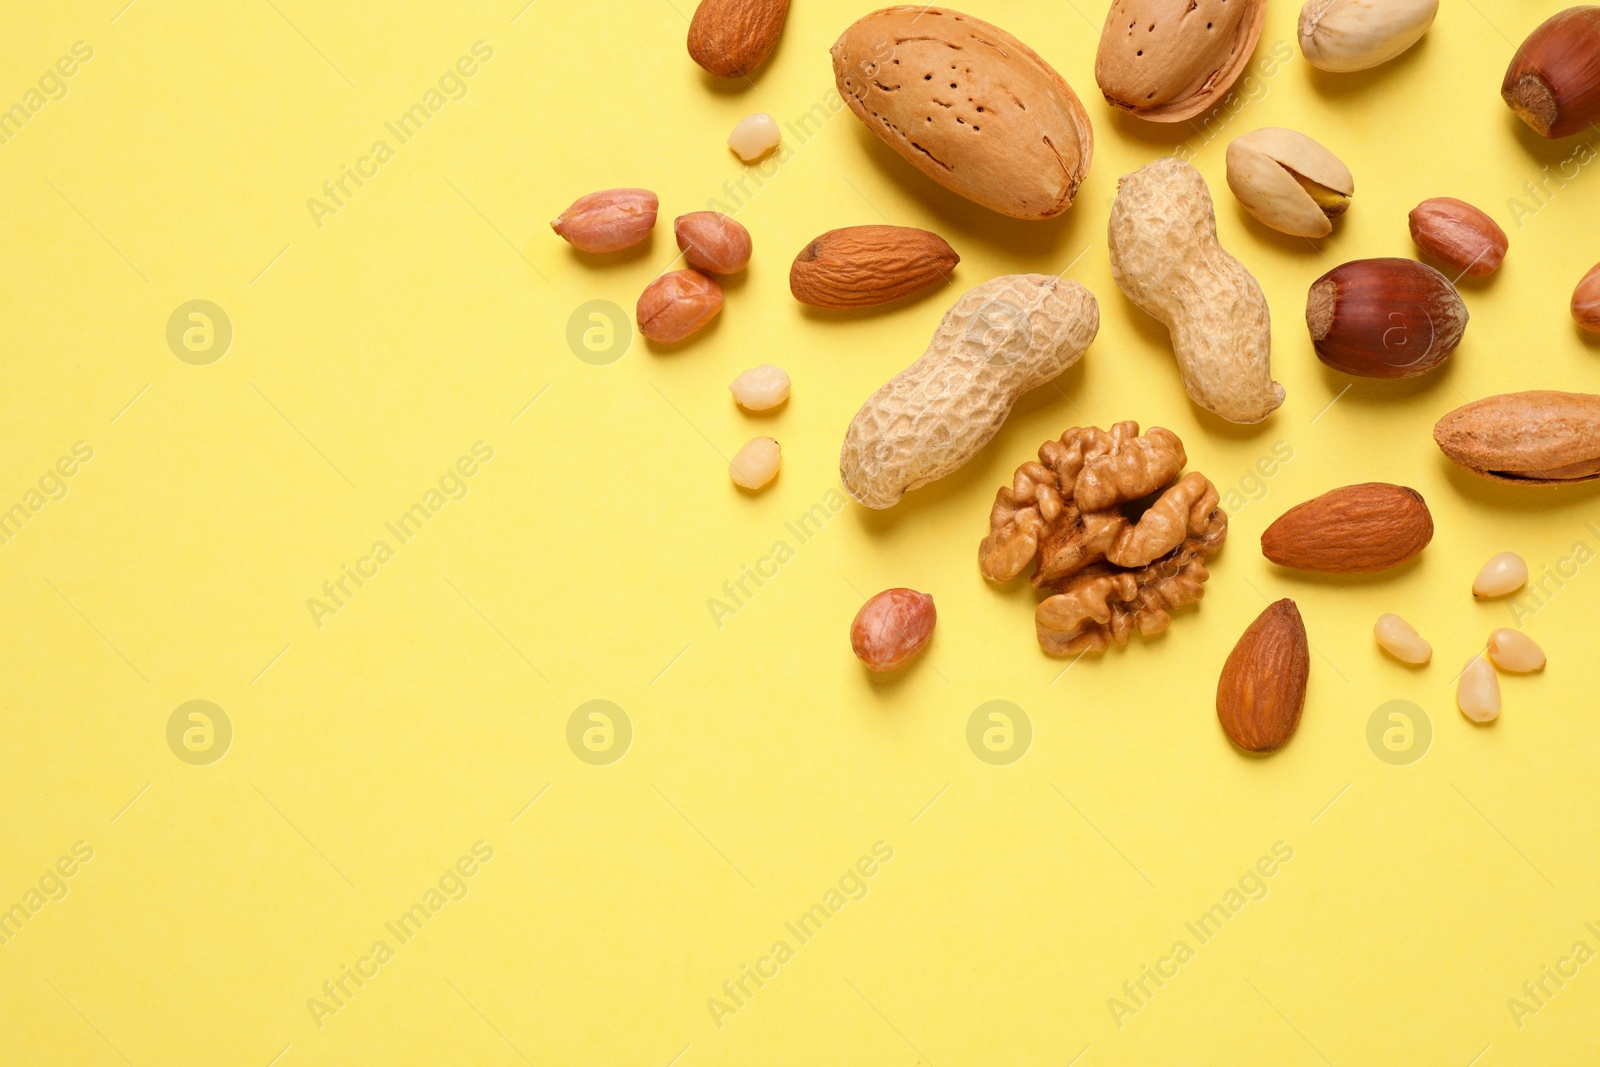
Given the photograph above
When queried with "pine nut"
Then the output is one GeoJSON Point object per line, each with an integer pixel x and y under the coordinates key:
{"type": "Point", "coordinates": [755, 464]}
{"type": "Point", "coordinates": [1501, 576]}
{"type": "Point", "coordinates": [1478, 692]}
{"type": "Point", "coordinates": [754, 137]}
{"type": "Point", "coordinates": [1515, 651]}
{"type": "Point", "coordinates": [1401, 640]}
{"type": "Point", "coordinates": [760, 388]}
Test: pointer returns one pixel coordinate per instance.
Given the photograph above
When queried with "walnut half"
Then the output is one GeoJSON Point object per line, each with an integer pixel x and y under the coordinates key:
{"type": "Point", "coordinates": [1113, 564]}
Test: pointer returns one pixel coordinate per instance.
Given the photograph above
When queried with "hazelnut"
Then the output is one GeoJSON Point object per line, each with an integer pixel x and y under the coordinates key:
{"type": "Point", "coordinates": [1384, 318]}
{"type": "Point", "coordinates": [1553, 82]}
{"type": "Point", "coordinates": [1586, 300]}
{"type": "Point", "coordinates": [1458, 235]}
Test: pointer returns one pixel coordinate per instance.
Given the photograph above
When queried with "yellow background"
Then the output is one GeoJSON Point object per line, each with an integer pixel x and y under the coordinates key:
{"type": "Point", "coordinates": [372, 752]}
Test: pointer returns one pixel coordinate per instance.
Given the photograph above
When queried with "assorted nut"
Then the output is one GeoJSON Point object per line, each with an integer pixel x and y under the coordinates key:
{"type": "Point", "coordinates": [754, 136]}
{"type": "Point", "coordinates": [864, 266]}
{"type": "Point", "coordinates": [677, 304]}
{"type": "Point", "coordinates": [755, 464]}
{"type": "Point", "coordinates": [1289, 182]}
{"type": "Point", "coordinates": [1165, 257]}
{"type": "Point", "coordinates": [1384, 318]}
{"type": "Point", "coordinates": [1553, 82]}
{"type": "Point", "coordinates": [1586, 300]}
{"type": "Point", "coordinates": [1112, 570]}
{"type": "Point", "coordinates": [608, 221]}
{"type": "Point", "coordinates": [1355, 530]}
{"type": "Point", "coordinates": [1541, 437]}
{"type": "Point", "coordinates": [731, 38]}
{"type": "Point", "coordinates": [892, 627]}
{"type": "Point", "coordinates": [1501, 576]}
{"type": "Point", "coordinates": [1169, 60]}
{"type": "Point", "coordinates": [1478, 691]}
{"type": "Point", "coordinates": [1001, 339]}
{"type": "Point", "coordinates": [1458, 235]}
{"type": "Point", "coordinates": [712, 242]}
{"type": "Point", "coordinates": [760, 388]}
{"type": "Point", "coordinates": [1347, 35]}
{"type": "Point", "coordinates": [969, 105]}
{"type": "Point", "coordinates": [1401, 640]}
{"type": "Point", "coordinates": [1262, 691]}
{"type": "Point", "coordinates": [1515, 651]}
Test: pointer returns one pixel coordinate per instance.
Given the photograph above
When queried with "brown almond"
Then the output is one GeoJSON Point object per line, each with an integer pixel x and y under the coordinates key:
{"type": "Point", "coordinates": [1586, 300]}
{"type": "Point", "coordinates": [712, 242]}
{"type": "Point", "coordinates": [731, 38]}
{"type": "Point", "coordinates": [1553, 82]}
{"type": "Point", "coordinates": [1541, 437]}
{"type": "Point", "coordinates": [1384, 318]}
{"type": "Point", "coordinates": [608, 221]}
{"type": "Point", "coordinates": [1354, 530]}
{"type": "Point", "coordinates": [1262, 690]}
{"type": "Point", "coordinates": [864, 266]}
{"type": "Point", "coordinates": [1458, 235]}
{"type": "Point", "coordinates": [677, 304]}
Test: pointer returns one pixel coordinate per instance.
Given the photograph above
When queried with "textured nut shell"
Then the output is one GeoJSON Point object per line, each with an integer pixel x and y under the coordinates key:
{"type": "Point", "coordinates": [1539, 437]}
{"type": "Point", "coordinates": [1586, 300]}
{"type": "Point", "coordinates": [1347, 35]}
{"type": "Point", "coordinates": [1168, 60]}
{"type": "Point", "coordinates": [1354, 530]}
{"type": "Point", "coordinates": [1166, 258]}
{"type": "Point", "coordinates": [1384, 318]}
{"type": "Point", "coordinates": [677, 304]}
{"type": "Point", "coordinates": [1553, 81]}
{"type": "Point", "coordinates": [1262, 690]}
{"type": "Point", "coordinates": [1261, 169]}
{"type": "Point", "coordinates": [1010, 134]}
{"type": "Point", "coordinates": [1458, 235]}
{"type": "Point", "coordinates": [863, 266]}
{"type": "Point", "coordinates": [1000, 339]}
{"type": "Point", "coordinates": [731, 38]}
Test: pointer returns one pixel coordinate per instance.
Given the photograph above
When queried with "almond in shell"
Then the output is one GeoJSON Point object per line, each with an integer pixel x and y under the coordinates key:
{"type": "Point", "coordinates": [1540, 437]}
{"type": "Point", "coordinates": [1354, 530]}
{"type": "Point", "coordinates": [1262, 690]}
{"type": "Point", "coordinates": [731, 38]}
{"type": "Point", "coordinates": [1169, 60]}
{"type": "Point", "coordinates": [863, 266]}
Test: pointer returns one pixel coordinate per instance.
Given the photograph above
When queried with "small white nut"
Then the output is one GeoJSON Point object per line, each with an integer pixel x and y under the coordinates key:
{"type": "Point", "coordinates": [1478, 692]}
{"type": "Point", "coordinates": [755, 464]}
{"type": "Point", "coordinates": [754, 137]}
{"type": "Point", "coordinates": [1401, 640]}
{"type": "Point", "coordinates": [1288, 181]}
{"type": "Point", "coordinates": [1346, 35]}
{"type": "Point", "coordinates": [1501, 576]}
{"type": "Point", "coordinates": [760, 388]}
{"type": "Point", "coordinates": [1515, 651]}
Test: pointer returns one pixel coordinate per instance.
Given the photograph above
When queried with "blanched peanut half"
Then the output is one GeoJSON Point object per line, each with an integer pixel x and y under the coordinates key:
{"type": "Point", "coordinates": [760, 388]}
{"type": "Point", "coordinates": [1478, 692]}
{"type": "Point", "coordinates": [755, 464]}
{"type": "Point", "coordinates": [1401, 640]}
{"type": "Point", "coordinates": [1515, 651]}
{"type": "Point", "coordinates": [1501, 576]}
{"type": "Point", "coordinates": [754, 137]}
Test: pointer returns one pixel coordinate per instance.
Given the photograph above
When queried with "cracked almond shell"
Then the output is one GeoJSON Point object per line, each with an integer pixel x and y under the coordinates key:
{"type": "Point", "coordinates": [969, 105]}
{"type": "Point", "coordinates": [1540, 437]}
{"type": "Point", "coordinates": [1169, 60]}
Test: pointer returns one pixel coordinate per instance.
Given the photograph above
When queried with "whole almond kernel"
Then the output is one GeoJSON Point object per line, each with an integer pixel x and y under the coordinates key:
{"type": "Point", "coordinates": [1384, 318]}
{"type": "Point", "coordinates": [1401, 640]}
{"type": "Point", "coordinates": [1539, 437]}
{"type": "Point", "coordinates": [608, 221]}
{"type": "Point", "coordinates": [731, 38]}
{"type": "Point", "coordinates": [677, 304]}
{"type": "Point", "coordinates": [1586, 300]}
{"type": "Point", "coordinates": [1262, 690]}
{"type": "Point", "coordinates": [1458, 235]}
{"type": "Point", "coordinates": [1478, 691]}
{"type": "Point", "coordinates": [1354, 530]}
{"type": "Point", "coordinates": [1553, 81]}
{"type": "Point", "coordinates": [712, 241]}
{"type": "Point", "coordinates": [892, 627]}
{"type": "Point", "coordinates": [864, 266]}
{"type": "Point", "coordinates": [1515, 651]}
{"type": "Point", "coordinates": [1501, 576]}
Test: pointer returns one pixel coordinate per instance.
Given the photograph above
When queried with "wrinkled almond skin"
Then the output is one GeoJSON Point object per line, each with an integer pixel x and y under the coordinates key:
{"type": "Point", "coordinates": [969, 105]}
{"type": "Point", "coordinates": [608, 221]}
{"type": "Point", "coordinates": [1586, 300]}
{"type": "Point", "coordinates": [1458, 235]}
{"type": "Point", "coordinates": [1540, 437]}
{"type": "Point", "coordinates": [677, 304]}
{"type": "Point", "coordinates": [1384, 318]}
{"type": "Point", "coordinates": [892, 627]}
{"type": "Point", "coordinates": [731, 38]}
{"type": "Point", "coordinates": [1169, 60]}
{"type": "Point", "coordinates": [1553, 82]}
{"type": "Point", "coordinates": [863, 266]}
{"type": "Point", "coordinates": [712, 242]}
{"type": "Point", "coordinates": [1354, 530]}
{"type": "Point", "coordinates": [1262, 690]}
